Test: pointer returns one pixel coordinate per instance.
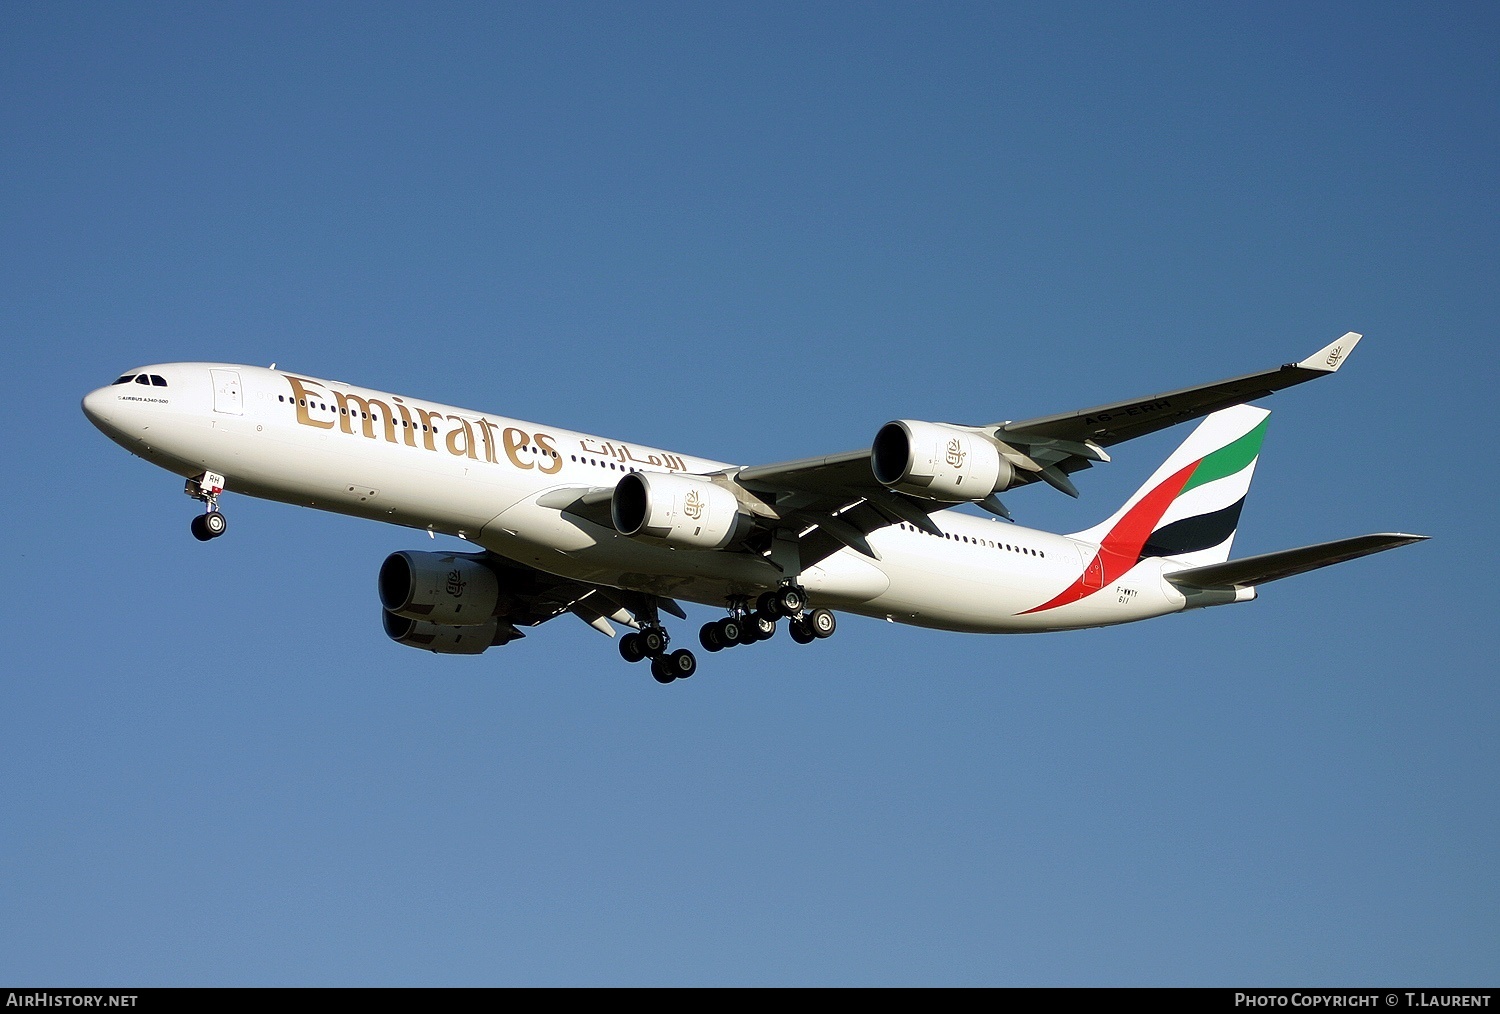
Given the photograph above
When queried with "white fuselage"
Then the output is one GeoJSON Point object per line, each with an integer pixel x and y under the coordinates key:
{"type": "Point", "coordinates": [484, 478]}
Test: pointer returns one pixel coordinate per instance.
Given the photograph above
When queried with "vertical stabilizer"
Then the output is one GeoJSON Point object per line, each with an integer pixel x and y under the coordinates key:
{"type": "Point", "coordinates": [1189, 509]}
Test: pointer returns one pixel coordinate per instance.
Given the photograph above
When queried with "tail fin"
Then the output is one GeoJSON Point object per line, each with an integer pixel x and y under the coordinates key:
{"type": "Point", "coordinates": [1189, 509]}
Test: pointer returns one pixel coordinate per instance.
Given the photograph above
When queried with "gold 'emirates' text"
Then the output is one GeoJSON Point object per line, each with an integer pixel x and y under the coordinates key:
{"type": "Point", "coordinates": [415, 426]}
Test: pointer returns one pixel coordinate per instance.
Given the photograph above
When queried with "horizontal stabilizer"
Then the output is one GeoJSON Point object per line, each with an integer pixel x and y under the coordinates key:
{"type": "Point", "coordinates": [1256, 570]}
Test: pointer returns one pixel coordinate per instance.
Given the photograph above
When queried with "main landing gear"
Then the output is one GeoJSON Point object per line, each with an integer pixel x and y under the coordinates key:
{"type": "Point", "coordinates": [746, 626]}
{"type": "Point", "coordinates": [206, 487]}
{"type": "Point", "coordinates": [651, 642]}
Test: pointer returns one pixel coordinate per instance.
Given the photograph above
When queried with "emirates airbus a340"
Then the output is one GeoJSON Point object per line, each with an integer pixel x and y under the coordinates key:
{"type": "Point", "coordinates": [612, 531]}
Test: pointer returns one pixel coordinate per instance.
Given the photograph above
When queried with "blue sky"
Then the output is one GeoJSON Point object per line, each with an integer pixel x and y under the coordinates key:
{"type": "Point", "coordinates": [753, 232]}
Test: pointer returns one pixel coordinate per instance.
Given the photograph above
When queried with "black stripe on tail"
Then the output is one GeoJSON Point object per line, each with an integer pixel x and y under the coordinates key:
{"type": "Point", "coordinates": [1190, 535]}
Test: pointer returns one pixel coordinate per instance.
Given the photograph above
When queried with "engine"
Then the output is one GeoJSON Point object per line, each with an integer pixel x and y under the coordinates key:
{"type": "Point", "coordinates": [439, 588]}
{"type": "Point", "coordinates": [938, 462]}
{"type": "Point", "coordinates": [679, 510]}
{"type": "Point", "coordinates": [447, 639]}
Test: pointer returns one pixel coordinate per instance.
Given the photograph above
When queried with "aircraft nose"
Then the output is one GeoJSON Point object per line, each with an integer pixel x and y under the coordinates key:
{"type": "Point", "coordinates": [97, 406]}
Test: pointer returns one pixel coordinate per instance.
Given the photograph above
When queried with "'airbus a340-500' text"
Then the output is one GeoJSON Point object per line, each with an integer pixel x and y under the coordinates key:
{"type": "Point", "coordinates": [617, 533]}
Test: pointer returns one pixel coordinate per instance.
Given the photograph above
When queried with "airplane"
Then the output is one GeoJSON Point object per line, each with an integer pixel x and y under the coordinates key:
{"type": "Point", "coordinates": [615, 532]}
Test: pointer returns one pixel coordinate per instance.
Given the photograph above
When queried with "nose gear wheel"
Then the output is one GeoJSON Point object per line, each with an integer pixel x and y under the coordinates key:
{"type": "Point", "coordinates": [206, 487]}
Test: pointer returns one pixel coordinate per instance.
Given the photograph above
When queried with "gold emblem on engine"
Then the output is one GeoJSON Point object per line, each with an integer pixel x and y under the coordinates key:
{"type": "Point", "coordinates": [456, 583]}
{"type": "Point", "coordinates": [956, 453]}
{"type": "Point", "coordinates": [692, 505]}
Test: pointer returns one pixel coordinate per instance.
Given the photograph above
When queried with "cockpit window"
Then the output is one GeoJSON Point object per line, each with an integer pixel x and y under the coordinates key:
{"type": "Point", "coordinates": [158, 381]}
{"type": "Point", "coordinates": [143, 379]}
{"type": "Point", "coordinates": [125, 379]}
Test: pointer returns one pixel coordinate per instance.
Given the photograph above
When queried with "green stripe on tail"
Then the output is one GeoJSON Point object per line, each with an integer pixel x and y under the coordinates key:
{"type": "Point", "coordinates": [1228, 459]}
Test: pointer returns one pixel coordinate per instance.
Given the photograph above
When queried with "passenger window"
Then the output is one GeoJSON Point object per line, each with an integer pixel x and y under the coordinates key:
{"type": "Point", "coordinates": [125, 379]}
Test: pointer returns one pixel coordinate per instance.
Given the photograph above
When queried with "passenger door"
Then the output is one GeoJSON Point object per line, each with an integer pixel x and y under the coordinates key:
{"type": "Point", "coordinates": [227, 396]}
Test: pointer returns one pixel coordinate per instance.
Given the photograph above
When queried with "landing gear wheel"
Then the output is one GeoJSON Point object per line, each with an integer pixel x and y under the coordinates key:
{"type": "Point", "coordinates": [767, 605]}
{"type": "Point", "coordinates": [205, 487]}
{"type": "Point", "coordinates": [661, 670]}
{"type": "Point", "coordinates": [801, 632]}
{"type": "Point", "coordinates": [822, 623]}
{"type": "Point", "coordinates": [681, 663]}
{"type": "Point", "coordinates": [764, 627]}
{"type": "Point", "coordinates": [653, 641]}
{"type": "Point", "coordinates": [790, 600]}
{"type": "Point", "coordinates": [631, 649]}
{"type": "Point", "coordinates": [730, 631]}
{"type": "Point", "coordinates": [708, 636]}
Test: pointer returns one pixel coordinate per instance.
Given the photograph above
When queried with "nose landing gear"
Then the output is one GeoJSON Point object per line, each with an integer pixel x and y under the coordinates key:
{"type": "Point", "coordinates": [206, 487]}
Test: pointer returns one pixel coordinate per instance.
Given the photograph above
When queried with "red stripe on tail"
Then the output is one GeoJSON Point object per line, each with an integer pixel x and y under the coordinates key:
{"type": "Point", "coordinates": [1121, 547]}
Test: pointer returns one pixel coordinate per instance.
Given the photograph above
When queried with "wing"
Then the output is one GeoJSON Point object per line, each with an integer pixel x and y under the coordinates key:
{"type": "Point", "coordinates": [1125, 420]}
{"type": "Point", "coordinates": [831, 502]}
{"type": "Point", "coordinates": [1051, 447]}
{"type": "Point", "coordinates": [531, 597]}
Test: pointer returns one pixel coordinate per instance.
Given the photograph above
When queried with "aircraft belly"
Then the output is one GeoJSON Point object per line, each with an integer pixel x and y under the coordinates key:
{"type": "Point", "coordinates": [947, 601]}
{"type": "Point", "coordinates": [573, 547]}
{"type": "Point", "coordinates": [844, 579]}
{"type": "Point", "coordinates": [946, 590]}
{"type": "Point", "coordinates": [957, 588]}
{"type": "Point", "coordinates": [1138, 594]}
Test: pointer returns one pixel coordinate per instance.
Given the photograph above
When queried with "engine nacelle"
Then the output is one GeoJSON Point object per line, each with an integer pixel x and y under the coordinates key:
{"type": "Point", "coordinates": [677, 509]}
{"type": "Point", "coordinates": [447, 639]}
{"type": "Point", "coordinates": [440, 588]}
{"type": "Point", "coordinates": [938, 462]}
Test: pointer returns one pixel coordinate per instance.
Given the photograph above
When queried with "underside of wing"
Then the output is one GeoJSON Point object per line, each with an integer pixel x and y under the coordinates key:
{"type": "Point", "coordinates": [832, 502]}
{"type": "Point", "coordinates": [532, 597]}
